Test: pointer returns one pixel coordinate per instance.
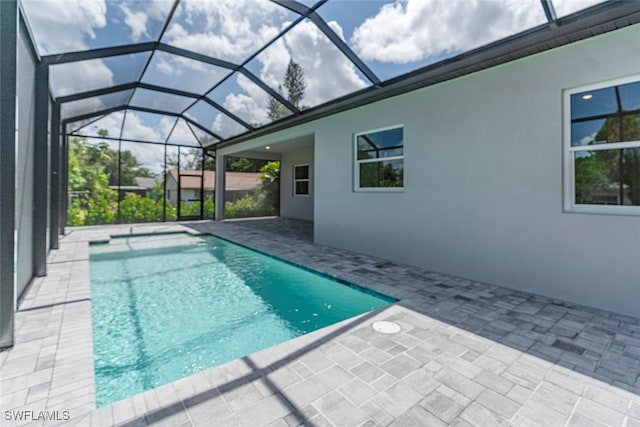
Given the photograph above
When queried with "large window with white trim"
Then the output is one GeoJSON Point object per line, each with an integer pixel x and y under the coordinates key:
{"type": "Point", "coordinates": [602, 139]}
{"type": "Point", "coordinates": [379, 159]}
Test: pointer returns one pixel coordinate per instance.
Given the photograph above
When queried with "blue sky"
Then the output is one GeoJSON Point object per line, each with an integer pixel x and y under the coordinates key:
{"type": "Point", "coordinates": [392, 38]}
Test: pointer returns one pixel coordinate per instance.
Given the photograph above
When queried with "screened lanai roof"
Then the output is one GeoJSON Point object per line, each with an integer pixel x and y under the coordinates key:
{"type": "Point", "coordinates": [199, 72]}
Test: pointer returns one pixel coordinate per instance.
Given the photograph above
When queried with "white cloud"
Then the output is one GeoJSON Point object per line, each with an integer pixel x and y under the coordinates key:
{"type": "Point", "coordinates": [226, 127]}
{"type": "Point", "coordinates": [226, 29]}
{"type": "Point", "coordinates": [111, 123]}
{"type": "Point", "coordinates": [404, 32]}
{"type": "Point", "coordinates": [328, 73]}
{"type": "Point", "coordinates": [150, 156]}
{"type": "Point", "coordinates": [588, 139]}
{"type": "Point", "coordinates": [137, 22]}
{"type": "Point", "coordinates": [182, 134]}
{"type": "Point", "coordinates": [250, 105]}
{"type": "Point", "coordinates": [62, 26]}
{"type": "Point", "coordinates": [565, 7]}
{"type": "Point", "coordinates": [74, 108]}
{"type": "Point", "coordinates": [80, 77]}
{"type": "Point", "coordinates": [135, 129]}
{"type": "Point", "coordinates": [183, 73]}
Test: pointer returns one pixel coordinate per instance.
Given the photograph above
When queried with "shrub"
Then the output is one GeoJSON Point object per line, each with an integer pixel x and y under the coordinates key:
{"type": "Point", "coordinates": [241, 208]}
{"type": "Point", "coordinates": [76, 215]}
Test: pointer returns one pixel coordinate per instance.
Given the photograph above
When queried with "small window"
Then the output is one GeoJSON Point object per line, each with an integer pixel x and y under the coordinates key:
{"type": "Point", "coordinates": [379, 159]}
{"type": "Point", "coordinates": [602, 140]}
{"type": "Point", "coordinates": [301, 180]}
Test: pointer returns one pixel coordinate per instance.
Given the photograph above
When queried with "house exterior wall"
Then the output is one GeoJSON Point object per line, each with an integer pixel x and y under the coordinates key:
{"type": "Point", "coordinates": [172, 190]}
{"type": "Point", "coordinates": [24, 170]}
{"type": "Point", "coordinates": [483, 196]}
{"type": "Point", "coordinates": [300, 207]}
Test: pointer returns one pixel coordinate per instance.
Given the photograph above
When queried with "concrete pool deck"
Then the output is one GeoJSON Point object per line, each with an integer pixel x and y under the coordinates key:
{"type": "Point", "coordinates": [467, 354]}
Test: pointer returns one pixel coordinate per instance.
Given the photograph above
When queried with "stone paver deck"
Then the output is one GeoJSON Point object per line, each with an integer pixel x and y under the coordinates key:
{"type": "Point", "coordinates": [468, 354]}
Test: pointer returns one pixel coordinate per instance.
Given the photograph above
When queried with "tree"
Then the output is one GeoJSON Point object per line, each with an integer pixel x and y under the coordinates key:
{"type": "Point", "coordinates": [243, 164]}
{"type": "Point", "coordinates": [274, 107]}
{"type": "Point", "coordinates": [611, 172]}
{"type": "Point", "coordinates": [268, 194]}
{"type": "Point", "coordinates": [191, 160]}
{"type": "Point", "coordinates": [93, 167]}
{"type": "Point", "coordinates": [295, 85]}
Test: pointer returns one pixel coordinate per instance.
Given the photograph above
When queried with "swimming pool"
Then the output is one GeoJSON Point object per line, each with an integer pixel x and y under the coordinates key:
{"type": "Point", "coordinates": [167, 306]}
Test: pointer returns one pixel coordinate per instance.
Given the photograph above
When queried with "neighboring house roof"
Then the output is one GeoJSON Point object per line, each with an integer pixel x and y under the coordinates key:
{"type": "Point", "coordinates": [233, 180]}
{"type": "Point", "coordinates": [145, 182]}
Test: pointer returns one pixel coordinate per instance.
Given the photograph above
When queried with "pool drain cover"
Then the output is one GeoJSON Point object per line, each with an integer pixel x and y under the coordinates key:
{"type": "Point", "coordinates": [385, 327]}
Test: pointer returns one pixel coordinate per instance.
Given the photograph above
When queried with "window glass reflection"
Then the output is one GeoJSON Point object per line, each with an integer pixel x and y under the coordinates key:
{"type": "Point", "coordinates": [630, 96]}
{"type": "Point", "coordinates": [387, 143]}
{"type": "Point", "coordinates": [600, 131]}
{"type": "Point", "coordinates": [608, 177]}
{"type": "Point", "coordinates": [593, 103]}
{"type": "Point", "coordinates": [388, 173]}
{"type": "Point", "coordinates": [302, 172]}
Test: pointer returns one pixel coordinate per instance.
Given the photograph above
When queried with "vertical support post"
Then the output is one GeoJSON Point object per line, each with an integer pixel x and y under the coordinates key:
{"type": "Point", "coordinates": [64, 181]}
{"type": "Point", "coordinates": [40, 165]}
{"type": "Point", "coordinates": [119, 217]}
{"type": "Point", "coordinates": [178, 212]}
{"type": "Point", "coordinates": [8, 53]}
{"type": "Point", "coordinates": [202, 188]}
{"type": "Point", "coordinates": [164, 186]}
{"type": "Point", "coordinates": [219, 186]}
{"type": "Point", "coordinates": [54, 217]}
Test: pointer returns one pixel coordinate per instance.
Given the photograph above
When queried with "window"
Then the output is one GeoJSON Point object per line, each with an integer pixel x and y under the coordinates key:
{"type": "Point", "coordinates": [301, 180]}
{"type": "Point", "coordinates": [379, 160]}
{"type": "Point", "coordinates": [602, 140]}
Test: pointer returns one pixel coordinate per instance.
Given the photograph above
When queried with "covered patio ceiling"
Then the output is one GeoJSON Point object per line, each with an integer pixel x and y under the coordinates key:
{"type": "Point", "coordinates": [199, 73]}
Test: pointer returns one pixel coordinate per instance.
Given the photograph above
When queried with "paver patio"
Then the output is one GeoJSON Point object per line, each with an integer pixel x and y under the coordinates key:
{"type": "Point", "coordinates": [468, 353]}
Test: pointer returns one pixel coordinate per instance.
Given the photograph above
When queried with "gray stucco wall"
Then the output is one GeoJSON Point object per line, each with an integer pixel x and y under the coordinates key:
{"type": "Point", "coordinates": [291, 206]}
{"type": "Point", "coordinates": [24, 169]}
{"type": "Point", "coordinates": [483, 181]}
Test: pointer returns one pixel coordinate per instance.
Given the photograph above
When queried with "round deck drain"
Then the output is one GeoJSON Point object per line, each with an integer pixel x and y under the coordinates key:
{"type": "Point", "coordinates": [385, 327]}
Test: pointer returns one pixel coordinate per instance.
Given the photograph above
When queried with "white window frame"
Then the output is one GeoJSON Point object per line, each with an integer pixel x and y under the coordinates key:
{"type": "Point", "coordinates": [357, 163]}
{"type": "Point", "coordinates": [569, 164]}
{"type": "Point", "coordinates": [295, 180]}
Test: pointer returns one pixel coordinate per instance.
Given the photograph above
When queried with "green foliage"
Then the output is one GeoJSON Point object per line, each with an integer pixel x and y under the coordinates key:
{"type": "Point", "coordinates": [102, 208]}
{"type": "Point", "coordinates": [294, 82]}
{"type": "Point", "coordinates": [270, 172]}
{"type": "Point", "coordinates": [209, 208]}
{"type": "Point", "coordinates": [190, 159]}
{"type": "Point", "coordinates": [129, 169]}
{"type": "Point", "coordinates": [242, 208]}
{"type": "Point", "coordinates": [601, 174]}
{"type": "Point", "coordinates": [295, 85]}
{"type": "Point", "coordinates": [243, 164]}
{"type": "Point", "coordinates": [264, 201]}
{"type": "Point", "coordinates": [171, 212]}
{"type": "Point", "coordinates": [593, 174]}
{"type": "Point", "coordinates": [135, 208]}
{"type": "Point", "coordinates": [76, 215]}
{"type": "Point", "coordinates": [93, 167]}
{"type": "Point", "coordinates": [378, 174]}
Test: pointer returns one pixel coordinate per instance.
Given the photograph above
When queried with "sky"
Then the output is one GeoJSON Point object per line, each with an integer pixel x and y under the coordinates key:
{"type": "Point", "coordinates": [391, 37]}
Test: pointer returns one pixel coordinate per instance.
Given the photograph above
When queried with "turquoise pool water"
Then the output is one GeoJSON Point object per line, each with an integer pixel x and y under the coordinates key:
{"type": "Point", "coordinates": [168, 306]}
